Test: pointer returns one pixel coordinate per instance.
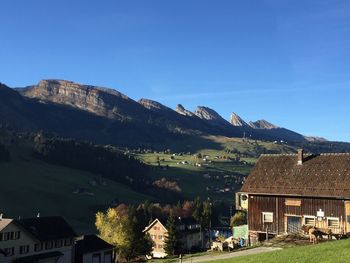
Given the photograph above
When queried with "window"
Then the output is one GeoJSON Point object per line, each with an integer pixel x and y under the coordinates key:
{"type": "Point", "coordinates": [160, 237]}
{"type": "Point", "coordinates": [49, 245]}
{"type": "Point", "coordinates": [24, 249]}
{"type": "Point", "coordinates": [38, 247]}
{"type": "Point", "coordinates": [309, 220]}
{"type": "Point", "coordinates": [6, 236]}
{"type": "Point", "coordinates": [68, 242]}
{"type": "Point", "coordinates": [17, 235]}
{"type": "Point", "coordinates": [160, 246]}
{"type": "Point", "coordinates": [12, 235]}
{"type": "Point", "coordinates": [333, 221]}
{"type": "Point", "coordinates": [10, 251]}
{"type": "Point", "coordinates": [267, 217]}
{"type": "Point", "coordinates": [153, 237]}
{"type": "Point", "coordinates": [58, 243]}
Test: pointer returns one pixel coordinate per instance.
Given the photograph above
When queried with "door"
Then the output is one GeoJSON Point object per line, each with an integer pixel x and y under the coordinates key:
{"type": "Point", "coordinates": [293, 224]}
{"type": "Point", "coordinates": [347, 216]}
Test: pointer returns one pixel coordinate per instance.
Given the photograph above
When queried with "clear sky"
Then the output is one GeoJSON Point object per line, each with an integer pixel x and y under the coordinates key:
{"type": "Point", "coordinates": [287, 61]}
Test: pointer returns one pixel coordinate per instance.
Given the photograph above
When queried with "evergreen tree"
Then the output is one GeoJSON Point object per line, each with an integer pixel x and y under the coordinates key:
{"type": "Point", "coordinates": [172, 244]}
{"type": "Point", "coordinates": [141, 242]}
{"type": "Point", "coordinates": [198, 209]}
{"type": "Point", "coordinates": [206, 214]}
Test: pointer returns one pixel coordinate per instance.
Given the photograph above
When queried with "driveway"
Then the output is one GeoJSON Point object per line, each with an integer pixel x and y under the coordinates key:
{"type": "Point", "coordinates": [247, 252]}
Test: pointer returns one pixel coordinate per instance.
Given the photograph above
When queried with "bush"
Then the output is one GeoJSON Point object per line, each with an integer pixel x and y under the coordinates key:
{"type": "Point", "coordinates": [240, 218]}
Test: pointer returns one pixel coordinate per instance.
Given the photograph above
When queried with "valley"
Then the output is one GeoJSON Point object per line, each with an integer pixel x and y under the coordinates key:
{"type": "Point", "coordinates": [182, 154]}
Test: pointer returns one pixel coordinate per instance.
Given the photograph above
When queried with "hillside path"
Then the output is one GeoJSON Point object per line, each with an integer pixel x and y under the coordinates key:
{"type": "Point", "coordinates": [247, 252]}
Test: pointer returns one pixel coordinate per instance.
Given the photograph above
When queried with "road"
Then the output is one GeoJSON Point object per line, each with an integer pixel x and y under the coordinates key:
{"type": "Point", "coordinates": [247, 252]}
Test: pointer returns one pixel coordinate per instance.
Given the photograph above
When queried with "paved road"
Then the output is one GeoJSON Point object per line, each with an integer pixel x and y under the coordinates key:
{"type": "Point", "coordinates": [247, 252]}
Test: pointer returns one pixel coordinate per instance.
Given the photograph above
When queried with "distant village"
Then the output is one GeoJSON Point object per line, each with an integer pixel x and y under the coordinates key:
{"type": "Point", "coordinates": [301, 197]}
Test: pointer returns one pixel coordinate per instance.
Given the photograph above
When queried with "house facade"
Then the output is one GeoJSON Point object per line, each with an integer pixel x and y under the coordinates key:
{"type": "Point", "coordinates": [36, 240]}
{"type": "Point", "coordinates": [189, 229]}
{"type": "Point", "coordinates": [286, 191]}
{"type": "Point", "coordinates": [158, 232]}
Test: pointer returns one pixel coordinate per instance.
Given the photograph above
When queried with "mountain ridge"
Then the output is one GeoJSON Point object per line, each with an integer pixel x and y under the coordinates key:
{"type": "Point", "coordinates": [116, 106]}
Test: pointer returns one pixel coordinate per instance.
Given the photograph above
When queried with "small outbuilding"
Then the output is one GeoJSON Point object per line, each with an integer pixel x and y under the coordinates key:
{"type": "Point", "coordinates": [92, 249]}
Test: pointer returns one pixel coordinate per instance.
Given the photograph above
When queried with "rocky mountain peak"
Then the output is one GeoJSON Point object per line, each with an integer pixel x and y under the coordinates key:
{"type": "Point", "coordinates": [181, 110]}
{"type": "Point", "coordinates": [262, 124]}
{"type": "Point", "coordinates": [235, 120]}
{"type": "Point", "coordinates": [208, 114]}
{"type": "Point", "coordinates": [98, 100]}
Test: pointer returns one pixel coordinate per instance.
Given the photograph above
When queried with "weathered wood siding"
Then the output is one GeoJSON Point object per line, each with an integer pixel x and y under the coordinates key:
{"type": "Point", "coordinates": [276, 204]}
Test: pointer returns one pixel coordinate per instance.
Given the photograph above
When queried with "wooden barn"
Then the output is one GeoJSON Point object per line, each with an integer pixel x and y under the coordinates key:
{"type": "Point", "coordinates": [286, 191]}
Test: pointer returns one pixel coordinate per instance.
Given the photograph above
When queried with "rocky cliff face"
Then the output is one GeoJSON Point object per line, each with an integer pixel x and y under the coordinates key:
{"type": "Point", "coordinates": [100, 101]}
{"type": "Point", "coordinates": [262, 124]}
{"type": "Point", "coordinates": [153, 105]}
{"type": "Point", "coordinates": [208, 114]}
{"type": "Point", "coordinates": [235, 120]}
{"type": "Point", "coordinates": [181, 110]}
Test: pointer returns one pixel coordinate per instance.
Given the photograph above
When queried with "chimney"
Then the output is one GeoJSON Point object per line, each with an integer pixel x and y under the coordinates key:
{"type": "Point", "coordinates": [300, 156]}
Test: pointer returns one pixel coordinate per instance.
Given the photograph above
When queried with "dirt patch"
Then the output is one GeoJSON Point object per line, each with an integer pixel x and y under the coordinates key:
{"type": "Point", "coordinates": [288, 240]}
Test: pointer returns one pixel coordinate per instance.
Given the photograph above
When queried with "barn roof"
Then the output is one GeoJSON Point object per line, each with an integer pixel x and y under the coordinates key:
{"type": "Point", "coordinates": [326, 175]}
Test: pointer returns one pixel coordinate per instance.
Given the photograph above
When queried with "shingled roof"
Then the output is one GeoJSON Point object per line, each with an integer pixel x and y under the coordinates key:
{"type": "Point", "coordinates": [326, 175]}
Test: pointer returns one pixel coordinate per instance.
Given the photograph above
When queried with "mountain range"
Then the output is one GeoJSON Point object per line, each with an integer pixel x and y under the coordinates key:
{"type": "Point", "coordinates": [107, 116]}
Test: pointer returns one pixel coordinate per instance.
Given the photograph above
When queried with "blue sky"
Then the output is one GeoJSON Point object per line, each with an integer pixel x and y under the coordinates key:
{"type": "Point", "coordinates": [286, 61]}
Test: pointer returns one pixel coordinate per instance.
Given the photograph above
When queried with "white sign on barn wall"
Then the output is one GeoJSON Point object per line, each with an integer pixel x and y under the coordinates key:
{"type": "Point", "coordinates": [320, 213]}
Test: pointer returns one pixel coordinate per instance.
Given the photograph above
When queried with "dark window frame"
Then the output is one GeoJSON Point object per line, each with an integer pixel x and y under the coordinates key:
{"type": "Point", "coordinates": [24, 249]}
{"type": "Point", "coordinates": [68, 242]}
{"type": "Point", "coordinates": [58, 243]}
{"type": "Point", "coordinates": [38, 247]}
{"type": "Point", "coordinates": [49, 245]}
{"type": "Point", "coordinates": [9, 254]}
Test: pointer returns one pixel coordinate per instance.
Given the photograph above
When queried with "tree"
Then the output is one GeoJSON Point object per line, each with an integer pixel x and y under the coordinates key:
{"type": "Point", "coordinates": [187, 209]}
{"type": "Point", "coordinates": [172, 244]}
{"type": "Point", "coordinates": [124, 231]}
{"type": "Point", "coordinates": [206, 214]}
{"type": "Point", "coordinates": [198, 209]}
{"type": "Point", "coordinates": [114, 229]}
{"type": "Point", "coordinates": [240, 218]}
{"type": "Point", "coordinates": [141, 242]}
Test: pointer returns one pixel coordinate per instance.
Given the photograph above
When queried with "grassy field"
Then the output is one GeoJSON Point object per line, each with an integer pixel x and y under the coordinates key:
{"type": "Point", "coordinates": [216, 174]}
{"type": "Point", "coordinates": [335, 251]}
{"type": "Point", "coordinates": [29, 186]}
